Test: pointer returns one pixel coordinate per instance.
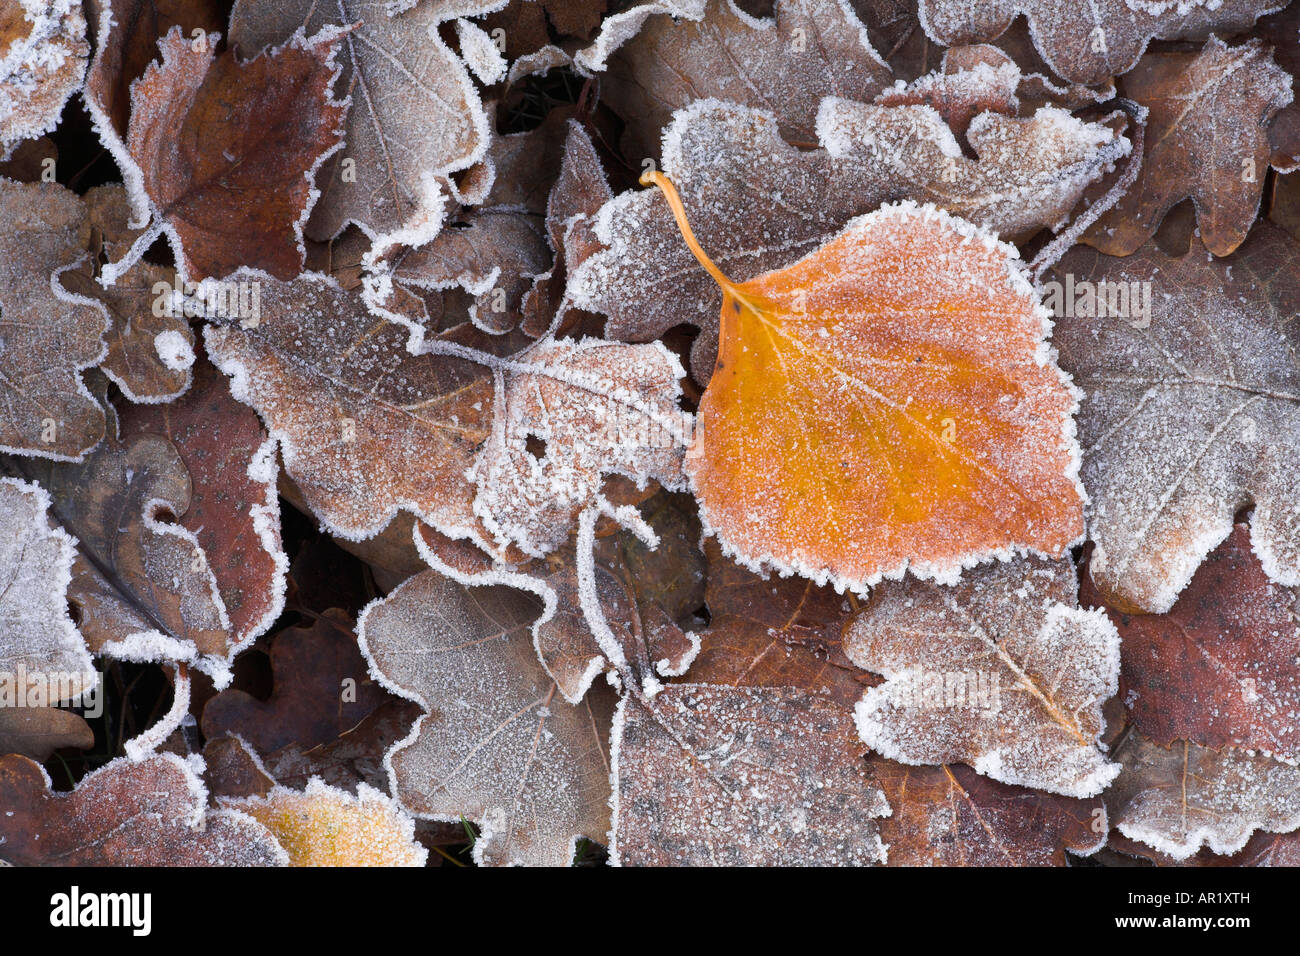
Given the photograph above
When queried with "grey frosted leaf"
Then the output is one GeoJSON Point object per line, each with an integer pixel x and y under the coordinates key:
{"type": "Point", "coordinates": [498, 743]}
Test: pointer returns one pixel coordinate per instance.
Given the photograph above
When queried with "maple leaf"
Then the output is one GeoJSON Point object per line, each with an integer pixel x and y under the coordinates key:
{"type": "Point", "coordinates": [1087, 46]}
{"type": "Point", "coordinates": [36, 563]}
{"type": "Point", "coordinates": [1220, 667]}
{"type": "Point", "coordinates": [1207, 138]}
{"type": "Point", "coordinates": [150, 349]}
{"type": "Point", "coordinates": [725, 776]}
{"type": "Point", "coordinates": [1181, 429]}
{"type": "Point", "coordinates": [309, 704]}
{"type": "Point", "coordinates": [597, 408]}
{"type": "Point", "coordinates": [1180, 798]}
{"type": "Point", "coordinates": [837, 387]}
{"type": "Point", "coordinates": [126, 813]}
{"type": "Point", "coordinates": [810, 49]}
{"type": "Point", "coordinates": [364, 427]}
{"type": "Point", "coordinates": [498, 744]}
{"type": "Point", "coordinates": [324, 826]}
{"type": "Point", "coordinates": [49, 335]}
{"type": "Point", "coordinates": [415, 118]}
{"type": "Point", "coordinates": [748, 190]}
{"type": "Point", "coordinates": [43, 56]}
{"type": "Point", "coordinates": [245, 203]}
{"type": "Point", "coordinates": [1002, 671]}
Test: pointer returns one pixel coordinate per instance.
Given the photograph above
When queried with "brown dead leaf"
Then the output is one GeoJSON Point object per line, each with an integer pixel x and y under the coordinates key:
{"type": "Point", "coordinates": [1207, 139]}
{"type": "Point", "coordinates": [227, 150]}
{"type": "Point", "coordinates": [43, 55]}
{"type": "Point", "coordinates": [150, 813]}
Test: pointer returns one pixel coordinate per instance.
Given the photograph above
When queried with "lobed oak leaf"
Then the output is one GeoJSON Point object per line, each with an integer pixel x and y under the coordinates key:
{"type": "Point", "coordinates": [1207, 139]}
{"type": "Point", "coordinates": [39, 635]}
{"type": "Point", "coordinates": [415, 117]}
{"type": "Point", "coordinates": [595, 408]}
{"type": "Point", "coordinates": [810, 49]}
{"type": "Point", "coordinates": [786, 632]}
{"type": "Point", "coordinates": [952, 816]}
{"type": "Point", "coordinates": [365, 427]}
{"type": "Point", "coordinates": [126, 813]}
{"type": "Point", "coordinates": [234, 511]}
{"type": "Point", "coordinates": [497, 744]}
{"type": "Point", "coordinates": [321, 691]}
{"type": "Point", "coordinates": [1192, 391]}
{"type": "Point", "coordinates": [1002, 671]}
{"type": "Point", "coordinates": [1028, 173]}
{"type": "Point", "coordinates": [748, 191]}
{"type": "Point", "coordinates": [1222, 666]}
{"type": "Point", "coordinates": [324, 826]}
{"type": "Point", "coordinates": [1180, 798]}
{"type": "Point", "coordinates": [43, 56]}
{"type": "Point", "coordinates": [243, 204]}
{"type": "Point", "coordinates": [1105, 39]}
{"type": "Point", "coordinates": [47, 334]}
{"type": "Point", "coordinates": [724, 776]}
{"type": "Point", "coordinates": [886, 403]}
{"type": "Point", "coordinates": [150, 349]}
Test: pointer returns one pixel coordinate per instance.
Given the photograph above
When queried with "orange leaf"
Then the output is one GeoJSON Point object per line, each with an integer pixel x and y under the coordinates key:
{"type": "Point", "coordinates": [886, 402]}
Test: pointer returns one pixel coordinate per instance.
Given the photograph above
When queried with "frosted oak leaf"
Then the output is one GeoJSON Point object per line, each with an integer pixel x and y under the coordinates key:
{"type": "Point", "coordinates": [498, 744]}
{"type": "Point", "coordinates": [1207, 139]}
{"type": "Point", "coordinates": [1193, 389]}
{"type": "Point", "coordinates": [150, 813]}
{"type": "Point", "coordinates": [1090, 43]}
{"type": "Point", "coordinates": [886, 403]}
{"type": "Point", "coordinates": [574, 412]}
{"type": "Point", "coordinates": [43, 55]}
{"type": "Point", "coordinates": [47, 334]}
{"type": "Point", "coordinates": [36, 562]}
{"type": "Point", "coordinates": [1003, 672]}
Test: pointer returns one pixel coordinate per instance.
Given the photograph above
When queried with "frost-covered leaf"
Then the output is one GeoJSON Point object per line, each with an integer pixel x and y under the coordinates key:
{"type": "Point", "coordinates": [643, 592]}
{"type": "Point", "coordinates": [365, 427]}
{"type": "Point", "coordinates": [227, 150]}
{"type": "Point", "coordinates": [1088, 44]}
{"type": "Point", "coordinates": [810, 49]}
{"type": "Point", "coordinates": [1002, 671]}
{"type": "Point", "coordinates": [324, 826]}
{"type": "Point", "coordinates": [37, 635]}
{"type": "Point", "coordinates": [43, 55]}
{"type": "Point", "coordinates": [150, 349]}
{"type": "Point", "coordinates": [886, 404]}
{"type": "Point", "coordinates": [1222, 667]}
{"type": "Point", "coordinates": [151, 813]}
{"type": "Point", "coordinates": [594, 408]}
{"type": "Point", "coordinates": [621, 27]}
{"type": "Point", "coordinates": [1183, 797]}
{"type": "Point", "coordinates": [1027, 173]}
{"type": "Point", "coordinates": [1190, 369]}
{"type": "Point", "coordinates": [415, 118]}
{"type": "Point", "coordinates": [758, 203]}
{"type": "Point", "coordinates": [234, 511]}
{"type": "Point", "coordinates": [47, 336]}
{"type": "Point", "coordinates": [498, 743]}
{"type": "Point", "coordinates": [321, 691]}
{"type": "Point", "coordinates": [725, 776]}
{"type": "Point", "coordinates": [1207, 139]}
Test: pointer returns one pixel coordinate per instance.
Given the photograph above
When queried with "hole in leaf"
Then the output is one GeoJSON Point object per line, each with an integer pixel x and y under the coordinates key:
{"type": "Point", "coordinates": [536, 446]}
